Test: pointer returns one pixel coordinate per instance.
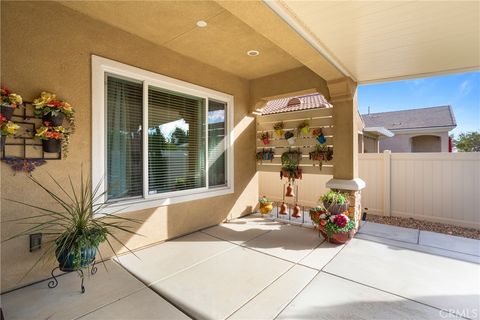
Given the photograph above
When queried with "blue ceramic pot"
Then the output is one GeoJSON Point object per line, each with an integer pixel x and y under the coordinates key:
{"type": "Point", "coordinates": [65, 258]}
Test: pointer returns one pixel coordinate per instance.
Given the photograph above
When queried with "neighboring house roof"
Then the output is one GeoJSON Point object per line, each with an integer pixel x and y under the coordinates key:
{"type": "Point", "coordinates": [296, 103]}
{"type": "Point", "coordinates": [432, 117]}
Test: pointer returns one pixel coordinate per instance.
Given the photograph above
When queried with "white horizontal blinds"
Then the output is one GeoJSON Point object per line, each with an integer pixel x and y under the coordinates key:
{"type": "Point", "coordinates": [176, 141]}
{"type": "Point", "coordinates": [124, 100]}
{"type": "Point", "coordinates": [217, 143]}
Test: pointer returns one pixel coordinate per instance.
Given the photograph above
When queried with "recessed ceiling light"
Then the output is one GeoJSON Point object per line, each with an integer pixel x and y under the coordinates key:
{"type": "Point", "coordinates": [201, 23]}
{"type": "Point", "coordinates": [253, 53]}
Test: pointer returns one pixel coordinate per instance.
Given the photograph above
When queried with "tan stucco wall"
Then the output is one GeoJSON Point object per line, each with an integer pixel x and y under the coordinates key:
{"type": "Point", "coordinates": [285, 84]}
{"type": "Point", "coordinates": [402, 142]}
{"type": "Point", "coordinates": [46, 46]}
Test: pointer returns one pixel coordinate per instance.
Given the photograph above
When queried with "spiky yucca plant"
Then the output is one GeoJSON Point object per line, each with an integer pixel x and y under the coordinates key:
{"type": "Point", "coordinates": [80, 222]}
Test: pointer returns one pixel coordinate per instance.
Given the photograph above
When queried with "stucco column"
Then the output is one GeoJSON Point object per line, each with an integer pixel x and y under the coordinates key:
{"type": "Point", "coordinates": [346, 122]}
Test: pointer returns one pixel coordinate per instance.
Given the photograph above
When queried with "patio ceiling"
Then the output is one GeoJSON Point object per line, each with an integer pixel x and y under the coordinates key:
{"type": "Point", "coordinates": [374, 41]}
{"type": "Point", "coordinates": [172, 24]}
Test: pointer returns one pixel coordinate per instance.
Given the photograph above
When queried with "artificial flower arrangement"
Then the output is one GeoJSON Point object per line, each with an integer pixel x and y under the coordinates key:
{"type": "Point", "coordinates": [304, 128]}
{"type": "Point", "coordinates": [53, 110]}
{"type": "Point", "coordinates": [51, 137]}
{"type": "Point", "coordinates": [336, 228]}
{"type": "Point", "coordinates": [278, 127]}
{"type": "Point", "coordinates": [265, 137]}
{"type": "Point", "coordinates": [266, 206]}
{"type": "Point", "coordinates": [9, 102]}
{"type": "Point", "coordinates": [7, 128]}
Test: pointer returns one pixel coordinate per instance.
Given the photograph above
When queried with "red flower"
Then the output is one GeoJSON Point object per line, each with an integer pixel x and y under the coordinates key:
{"type": "Point", "coordinates": [340, 220]}
{"type": "Point", "coordinates": [323, 222]}
{"type": "Point", "coordinates": [55, 104]}
{"type": "Point", "coordinates": [5, 91]}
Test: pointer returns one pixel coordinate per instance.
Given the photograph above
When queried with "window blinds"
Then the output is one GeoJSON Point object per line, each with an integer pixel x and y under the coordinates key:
{"type": "Point", "coordinates": [177, 141]}
{"type": "Point", "coordinates": [124, 101]}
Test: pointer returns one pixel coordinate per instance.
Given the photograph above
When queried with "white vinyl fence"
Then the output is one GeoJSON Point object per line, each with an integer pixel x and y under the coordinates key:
{"type": "Point", "coordinates": [441, 187]}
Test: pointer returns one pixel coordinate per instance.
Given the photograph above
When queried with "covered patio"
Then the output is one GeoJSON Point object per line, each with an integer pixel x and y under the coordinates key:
{"type": "Point", "coordinates": [384, 273]}
{"type": "Point", "coordinates": [170, 103]}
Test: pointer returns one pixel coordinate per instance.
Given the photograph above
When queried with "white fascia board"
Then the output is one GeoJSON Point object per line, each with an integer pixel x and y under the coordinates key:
{"type": "Point", "coordinates": [379, 131]}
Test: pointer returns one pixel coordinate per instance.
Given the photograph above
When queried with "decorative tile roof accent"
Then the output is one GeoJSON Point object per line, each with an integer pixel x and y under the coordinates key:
{"type": "Point", "coordinates": [441, 116]}
{"type": "Point", "coordinates": [307, 102]}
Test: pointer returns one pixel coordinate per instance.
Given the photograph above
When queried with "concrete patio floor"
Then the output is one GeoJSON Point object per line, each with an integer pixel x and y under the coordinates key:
{"type": "Point", "coordinates": [255, 268]}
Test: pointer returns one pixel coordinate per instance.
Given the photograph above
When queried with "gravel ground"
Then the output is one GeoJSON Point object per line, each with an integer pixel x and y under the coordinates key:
{"type": "Point", "coordinates": [426, 225]}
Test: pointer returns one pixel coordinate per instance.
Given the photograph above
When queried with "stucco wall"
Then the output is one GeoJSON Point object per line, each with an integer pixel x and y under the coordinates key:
{"type": "Point", "coordinates": [46, 46]}
{"type": "Point", "coordinates": [401, 142]}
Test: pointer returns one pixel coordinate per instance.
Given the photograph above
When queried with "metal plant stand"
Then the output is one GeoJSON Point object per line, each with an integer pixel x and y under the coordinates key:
{"type": "Point", "coordinates": [54, 282]}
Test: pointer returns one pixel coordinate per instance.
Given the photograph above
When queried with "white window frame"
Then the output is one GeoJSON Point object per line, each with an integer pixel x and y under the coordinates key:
{"type": "Point", "coordinates": [102, 66]}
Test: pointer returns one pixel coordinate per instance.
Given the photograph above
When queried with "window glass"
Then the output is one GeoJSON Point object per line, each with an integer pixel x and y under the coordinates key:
{"type": "Point", "coordinates": [124, 100]}
{"type": "Point", "coordinates": [176, 141]}
{"type": "Point", "coordinates": [216, 143]}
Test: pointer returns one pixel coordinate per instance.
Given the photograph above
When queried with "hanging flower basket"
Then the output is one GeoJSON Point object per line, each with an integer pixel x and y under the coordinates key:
{"type": "Point", "coordinates": [290, 137]}
{"type": "Point", "coordinates": [54, 119]}
{"type": "Point", "coordinates": [9, 102]}
{"type": "Point", "coordinates": [51, 145]}
{"type": "Point", "coordinates": [278, 127]}
{"type": "Point", "coordinates": [304, 128]}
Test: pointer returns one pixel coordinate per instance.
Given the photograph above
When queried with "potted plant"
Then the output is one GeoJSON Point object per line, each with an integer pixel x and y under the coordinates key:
{"type": "Point", "coordinates": [51, 137]}
{"type": "Point", "coordinates": [278, 127]}
{"type": "Point", "coordinates": [290, 162]}
{"type": "Point", "coordinates": [75, 230]}
{"type": "Point", "coordinates": [335, 202]}
{"type": "Point", "coordinates": [266, 206]}
{"type": "Point", "coordinates": [304, 128]}
{"type": "Point", "coordinates": [318, 134]}
{"type": "Point", "coordinates": [53, 110]}
{"type": "Point", "coordinates": [290, 137]}
{"type": "Point", "coordinates": [7, 128]}
{"type": "Point", "coordinates": [265, 155]}
{"type": "Point", "coordinates": [335, 228]}
{"type": "Point", "coordinates": [9, 102]}
{"type": "Point", "coordinates": [265, 137]}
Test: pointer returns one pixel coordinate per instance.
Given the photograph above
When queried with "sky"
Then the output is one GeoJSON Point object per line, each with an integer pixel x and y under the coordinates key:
{"type": "Point", "coordinates": [461, 91]}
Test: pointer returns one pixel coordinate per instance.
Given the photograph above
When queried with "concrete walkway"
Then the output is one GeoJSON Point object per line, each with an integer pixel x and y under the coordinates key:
{"type": "Point", "coordinates": [254, 268]}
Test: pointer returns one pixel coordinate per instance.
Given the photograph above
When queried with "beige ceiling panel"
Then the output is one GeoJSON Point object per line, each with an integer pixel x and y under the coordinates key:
{"type": "Point", "coordinates": [225, 42]}
{"type": "Point", "coordinates": [157, 21]}
{"type": "Point", "coordinates": [385, 40]}
{"type": "Point", "coordinates": [266, 22]}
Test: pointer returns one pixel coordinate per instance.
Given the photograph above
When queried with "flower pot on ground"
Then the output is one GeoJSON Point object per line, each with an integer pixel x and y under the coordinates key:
{"type": "Point", "coordinates": [335, 228]}
{"type": "Point", "coordinates": [73, 232]}
{"type": "Point", "coordinates": [335, 202]}
{"type": "Point", "coordinates": [266, 206]}
{"type": "Point", "coordinates": [9, 102]}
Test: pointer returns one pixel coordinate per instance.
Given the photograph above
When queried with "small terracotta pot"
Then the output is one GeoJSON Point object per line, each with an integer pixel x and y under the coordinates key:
{"type": "Point", "coordinates": [337, 238]}
{"type": "Point", "coordinates": [296, 211]}
{"type": "Point", "coordinates": [289, 192]}
{"type": "Point", "coordinates": [283, 209]}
